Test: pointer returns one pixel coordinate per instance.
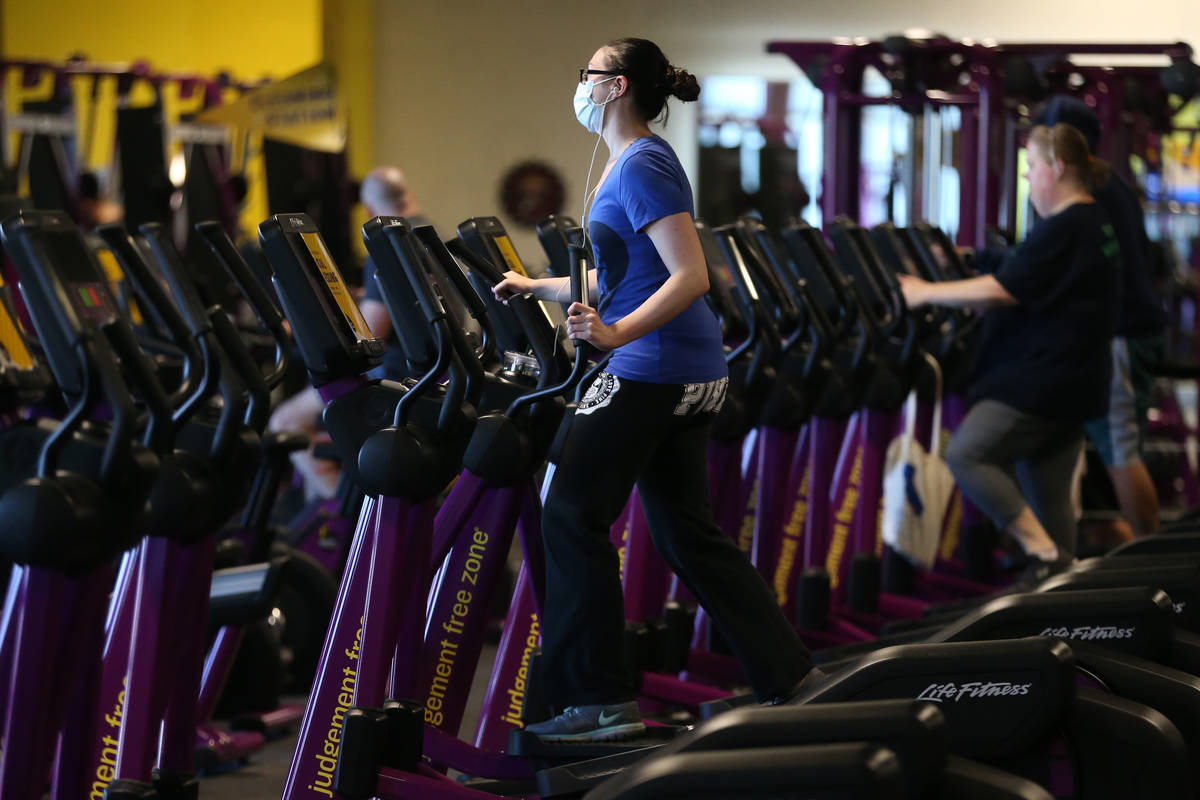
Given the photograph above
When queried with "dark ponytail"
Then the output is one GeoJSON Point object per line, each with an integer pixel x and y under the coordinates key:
{"type": "Point", "coordinates": [651, 77]}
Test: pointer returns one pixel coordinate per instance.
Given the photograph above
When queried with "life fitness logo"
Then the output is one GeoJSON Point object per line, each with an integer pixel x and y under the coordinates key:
{"type": "Point", "coordinates": [972, 690]}
{"type": "Point", "coordinates": [1090, 632]}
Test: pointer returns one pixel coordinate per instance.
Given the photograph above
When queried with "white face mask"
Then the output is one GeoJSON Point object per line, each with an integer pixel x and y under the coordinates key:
{"type": "Point", "coordinates": [590, 113]}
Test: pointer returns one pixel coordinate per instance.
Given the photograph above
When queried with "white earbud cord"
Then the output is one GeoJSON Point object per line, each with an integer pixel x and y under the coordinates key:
{"type": "Point", "coordinates": [589, 196]}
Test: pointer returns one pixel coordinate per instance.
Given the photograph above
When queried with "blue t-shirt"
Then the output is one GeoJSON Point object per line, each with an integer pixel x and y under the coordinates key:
{"type": "Point", "coordinates": [646, 184]}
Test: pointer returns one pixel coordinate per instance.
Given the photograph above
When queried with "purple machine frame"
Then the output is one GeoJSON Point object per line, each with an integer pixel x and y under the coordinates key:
{"type": "Point", "coordinates": [971, 75]}
{"type": "Point", "coordinates": [405, 558]}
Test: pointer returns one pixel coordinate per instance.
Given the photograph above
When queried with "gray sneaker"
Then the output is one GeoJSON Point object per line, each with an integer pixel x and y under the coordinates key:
{"type": "Point", "coordinates": [591, 724]}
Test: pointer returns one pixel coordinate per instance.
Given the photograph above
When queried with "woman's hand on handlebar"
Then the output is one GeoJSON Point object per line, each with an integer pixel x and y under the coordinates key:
{"type": "Point", "coordinates": [583, 322]}
{"type": "Point", "coordinates": [913, 290]}
{"type": "Point", "coordinates": [514, 283]}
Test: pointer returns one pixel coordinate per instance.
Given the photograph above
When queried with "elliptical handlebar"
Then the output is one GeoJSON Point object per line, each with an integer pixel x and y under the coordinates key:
{"type": "Point", "coordinates": [202, 365]}
{"type": "Point", "coordinates": [531, 319]}
{"type": "Point", "coordinates": [579, 294]}
{"type": "Point", "coordinates": [411, 259]}
{"type": "Point", "coordinates": [260, 301]}
{"type": "Point", "coordinates": [428, 236]}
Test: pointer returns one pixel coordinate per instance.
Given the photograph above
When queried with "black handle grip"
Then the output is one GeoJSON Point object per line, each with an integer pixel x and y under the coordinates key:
{"type": "Point", "coordinates": [155, 300]}
{"type": "Point", "coordinates": [246, 367]}
{"type": "Point", "coordinates": [222, 247]}
{"type": "Point", "coordinates": [182, 289]}
{"type": "Point", "coordinates": [428, 236]}
{"type": "Point", "coordinates": [579, 284]}
{"type": "Point", "coordinates": [486, 269]}
{"type": "Point", "coordinates": [141, 373]}
{"type": "Point", "coordinates": [414, 271]}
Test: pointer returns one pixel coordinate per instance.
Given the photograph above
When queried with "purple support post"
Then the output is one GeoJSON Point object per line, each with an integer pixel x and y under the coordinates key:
{"type": "Point", "coordinates": [844, 494]}
{"type": "Point", "coordinates": [311, 773]}
{"type": "Point", "coordinates": [647, 577]}
{"type": "Point", "coordinates": [393, 621]}
{"type": "Point", "coordinates": [825, 437]}
{"type": "Point", "coordinates": [969, 177]}
{"type": "Point", "coordinates": [217, 662]}
{"type": "Point", "coordinates": [83, 645]}
{"type": "Point", "coordinates": [530, 527]}
{"type": "Point", "coordinates": [13, 599]}
{"type": "Point", "coordinates": [879, 428]}
{"type": "Point", "coordinates": [192, 597]}
{"type": "Point", "coordinates": [149, 659]}
{"type": "Point", "coordinates": [37, 674]}
{"type": "Point", "coordinates": [506, 690]}
{"type": "Point", "coordinates": [789, 563]}
{"type": "Point", "coordinates": [453, 515]}
{"type": "Point", "coordinates": [773, 504]}
{"type": "Point", "coordinates": [618, 534]}
{"type": "Point", "coordinates": [115, 670]}
{"type": "Point", "coordinates": [724, 478]}
{"type": "Point", "coordinates": [459, 617]}
{"type": "Point", "coordinates": [842, 137]}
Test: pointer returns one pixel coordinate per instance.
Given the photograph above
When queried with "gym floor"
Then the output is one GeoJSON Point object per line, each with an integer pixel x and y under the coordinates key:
{"type": "Point", "coordinates": [263, 777]}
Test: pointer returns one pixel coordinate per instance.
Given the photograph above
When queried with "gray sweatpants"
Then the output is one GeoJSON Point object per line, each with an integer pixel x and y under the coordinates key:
{"type": "Point", "coordinates": [1004, 459]}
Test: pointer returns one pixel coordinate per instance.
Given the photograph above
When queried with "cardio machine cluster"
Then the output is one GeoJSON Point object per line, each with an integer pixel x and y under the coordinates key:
{"type": "Point", "coordinates": [931, 687]}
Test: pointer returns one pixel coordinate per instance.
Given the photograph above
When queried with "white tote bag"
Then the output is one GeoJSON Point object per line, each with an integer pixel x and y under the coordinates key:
{"type": "Point", "coordinates": [917, 485]}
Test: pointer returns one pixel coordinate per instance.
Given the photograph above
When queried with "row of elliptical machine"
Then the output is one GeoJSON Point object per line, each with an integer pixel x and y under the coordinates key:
{"type": "Point", "coordinates": [1149, 649]}
{"type": "Point", "coordinates": [123, 724]}
{"type": "Point", "coordinates": [351, 751]}
{"type": "Point", "coordinates": [382, 625]}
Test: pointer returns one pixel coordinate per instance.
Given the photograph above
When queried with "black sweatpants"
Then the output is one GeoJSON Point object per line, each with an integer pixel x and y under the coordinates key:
{"type": "Point", "coordinates": [657, 436]}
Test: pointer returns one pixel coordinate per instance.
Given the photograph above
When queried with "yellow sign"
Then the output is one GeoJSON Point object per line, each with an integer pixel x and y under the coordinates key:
{"type": "Point", "coordinates": [337, 287]}
{"type": "Point", "coordinates": [510, 255]}
{"type": "Point", "coordinates": [305, 110]}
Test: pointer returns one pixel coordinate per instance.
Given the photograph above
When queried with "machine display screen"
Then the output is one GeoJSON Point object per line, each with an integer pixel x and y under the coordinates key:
{"type": "Point", "coordinates": [85, 286]}
{"type": "Point", "coordinates": [92, 301]}
{"type": "Point", "coordinates": [337, 286]}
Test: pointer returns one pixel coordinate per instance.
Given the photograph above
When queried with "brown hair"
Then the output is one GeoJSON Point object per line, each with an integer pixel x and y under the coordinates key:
{"type": "Point", "coordinates": [652, 78]}
{"type": "Point", "coordinates": [1065, 143]}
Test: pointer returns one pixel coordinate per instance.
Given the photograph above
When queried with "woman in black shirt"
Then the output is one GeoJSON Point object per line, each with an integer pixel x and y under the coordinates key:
{"type": "Point", "coordinates": [1044, 363]}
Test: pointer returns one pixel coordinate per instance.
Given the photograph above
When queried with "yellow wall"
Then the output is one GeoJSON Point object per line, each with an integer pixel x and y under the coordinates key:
{"type": "Point", "coordinates": [251, 38]}
{"type": "Point", "coordinates": [349, 42]}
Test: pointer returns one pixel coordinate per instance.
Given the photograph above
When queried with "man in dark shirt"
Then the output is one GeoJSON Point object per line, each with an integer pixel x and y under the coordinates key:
{"type": "Point", "coordinates": [385, 193]}
{"type": "Point", "coordinates": [1137, 345]}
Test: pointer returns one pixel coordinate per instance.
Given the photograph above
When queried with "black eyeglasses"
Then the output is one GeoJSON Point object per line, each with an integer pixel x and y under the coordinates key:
{"type": "Point", "coordinates": [583, 73]}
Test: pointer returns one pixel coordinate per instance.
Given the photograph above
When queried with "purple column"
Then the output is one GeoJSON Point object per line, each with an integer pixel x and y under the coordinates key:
{"type": "Point", "coordinates": [647, 576]}
{"type": "Point", "coordinates": [192, 597]}
{"type": "Point", "coordinates": [825, 437]}
{"type": "Point", "coordinates": [149, 657]}
{"type": "Point", "coordinates": [879, 428]}
{"type": "Point", "coordinates": [36, 676]}
{"type": "Point", "coordinates": [845, 494]}
{"type": "Point", "coordinates": [311, 773]}
{"type": "Point", "coordinates": [773, 504]}
{"type": "Point", "coordinates": [724, 478]}
{"type": "Point", "coordinates": [115, 670]}
{"type": "Point", "coordinates": [506, 690]}
{"type": "Point", "coordinates": [790, 561]}
{"type": "Point", "coordinates": [8, 630]}
{"type": "Point", "coordinates": [459, 614]}
{"type": "Point", "coordinates": [84, 643]}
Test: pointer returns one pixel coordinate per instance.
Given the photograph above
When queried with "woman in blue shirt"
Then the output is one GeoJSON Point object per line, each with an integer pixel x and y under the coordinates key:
{"type": "Point", "coordinates": [644, 421]}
